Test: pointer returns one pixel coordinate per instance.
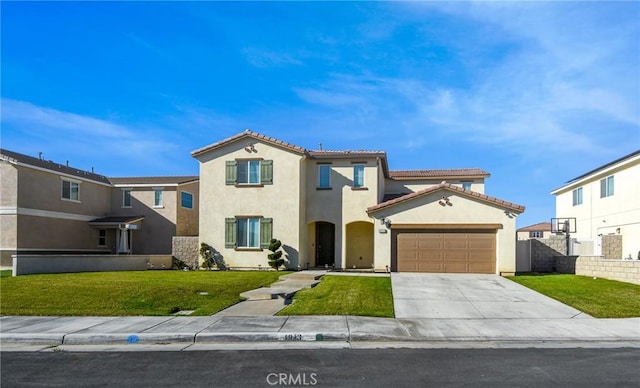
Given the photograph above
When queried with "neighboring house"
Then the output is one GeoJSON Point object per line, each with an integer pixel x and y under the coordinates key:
{"type": "Point", "coordinates": [46, 207]}
{"type": "Point", "coordinates": [538, 231]}
{"type": "Point", "coordinates": [347, 209]}
{"type": "Point", "coordinates": [606, 205]}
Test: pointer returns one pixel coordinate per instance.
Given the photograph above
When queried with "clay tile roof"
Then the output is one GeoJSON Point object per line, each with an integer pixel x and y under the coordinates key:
{"type": "Point", "coordinates": [448, 173]}
{"type": "Point", "coordinates": [52, 166]}
{"type": "Point", "coordinates": [485, 198]}
{"type": "Point", "coordinates": [153, 180]}
{"type": "Point", "coordinates": [539, 227]}
{"type": "Point", "coordinates": [251, 134]}
{"type": "Point", "coordinates": [348, 153]}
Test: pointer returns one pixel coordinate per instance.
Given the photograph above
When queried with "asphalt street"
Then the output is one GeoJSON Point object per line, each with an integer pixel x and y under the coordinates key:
{"type": "Point", "coordinates": [576, 367]}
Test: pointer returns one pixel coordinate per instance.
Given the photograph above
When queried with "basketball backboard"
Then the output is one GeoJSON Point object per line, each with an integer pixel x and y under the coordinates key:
{"type": "Point", "coordinates": [563, 225]}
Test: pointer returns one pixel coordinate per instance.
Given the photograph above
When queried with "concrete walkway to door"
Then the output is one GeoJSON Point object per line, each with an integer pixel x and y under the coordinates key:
{"type": "Point", "coordinates": [471, 296]}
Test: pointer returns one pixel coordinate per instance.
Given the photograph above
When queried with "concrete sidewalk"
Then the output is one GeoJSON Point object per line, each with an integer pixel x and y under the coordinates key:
{"type": "Point", "coordinates": [43, 332]}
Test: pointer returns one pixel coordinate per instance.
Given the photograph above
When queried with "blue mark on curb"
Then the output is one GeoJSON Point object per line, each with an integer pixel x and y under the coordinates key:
{"type": "Point", "coordinates": [132, 339]}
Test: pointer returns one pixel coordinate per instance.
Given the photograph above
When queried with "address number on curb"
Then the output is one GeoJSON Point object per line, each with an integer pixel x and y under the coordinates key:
{"type": "Point", "coordinates": [297, 337]}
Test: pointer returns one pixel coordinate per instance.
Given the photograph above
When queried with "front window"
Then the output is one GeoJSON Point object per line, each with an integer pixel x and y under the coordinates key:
{"type": "Point", "coordinates": [358, 175]}
{"type": "Point", "coordinates": [186, 200]}
{"type": "Point", "coordinates": [324, 176]}
{"type": "Point", "coordinates": [606, 187]}
{"type": "Point", "coordinates": [102, 237]}
{"type": "Point", "coordinates": [249, 172]}
{"type": "Point", "coordinates": [248, 232]}
{"type": "Point", "coordinates": [466, 185]}
{"type": "Point", "coordinates": [577, 196]}
{"type": "Point", "coordinates": [126, 198]}
{"type": "Point", "coordinates": [70, 190]}
{"type": "Point", "coordinates": [157, 198]}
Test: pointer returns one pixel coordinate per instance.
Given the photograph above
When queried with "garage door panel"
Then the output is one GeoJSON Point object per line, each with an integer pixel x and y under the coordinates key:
{"type": "Point", "coordinates": [453, 252]}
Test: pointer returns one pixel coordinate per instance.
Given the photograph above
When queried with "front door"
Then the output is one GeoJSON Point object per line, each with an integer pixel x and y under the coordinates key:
{"type": "Point", "coordinates": [325, 243]}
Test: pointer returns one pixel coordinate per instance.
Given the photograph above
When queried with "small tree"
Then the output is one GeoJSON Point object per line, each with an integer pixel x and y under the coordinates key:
{"type": "Point", "coordinates": [206, 252]}
{"type": "Point", "coordinates": [275, 258]}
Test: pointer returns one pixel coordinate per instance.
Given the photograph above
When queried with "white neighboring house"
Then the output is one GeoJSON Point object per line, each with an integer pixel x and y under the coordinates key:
{"type": "Point", "coordinates": [605, 202]}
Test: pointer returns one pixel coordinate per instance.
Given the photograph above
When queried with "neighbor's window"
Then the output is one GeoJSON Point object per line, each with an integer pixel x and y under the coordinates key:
{"type": "Point", "coordinates": [536, 234]}
{"type": "Point", "coordinates": [102, 238]}
{"type": "Point", "coordinates": [577, 196]}
{"type": "Point", "coordinates": [126, 198]}
{"type": "Point", "coordinates": [186, 200]}
{"type": "Point", "coordinates": [70, 190]}
{"type": "Point", "coordinates": [466, 185]}
{"type": "Point", "coordinates": [606, 187]}
{"type": "Point", "coordinates": [324, 176]}
{"type": "Point", "coordinates": [358, 175]}
{"type": "Point", "coordinates": [157, 198]}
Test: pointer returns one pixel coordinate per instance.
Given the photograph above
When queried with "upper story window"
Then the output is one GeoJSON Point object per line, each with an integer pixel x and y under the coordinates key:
{"type": "Point", "coordinates": [606, 187]}
{"type": "Point", "coordinates": [324, 176]}
{"type": "Point", "coordinates": [535, 234]}
{"type": "Point", "coordinates": [466, 185]}
{"type": "Point", "coordinates": [358, 175]}
{"type": "Point", "coordinates": [126, 197]}
{"type": "Point", "coordinates": [577, 196]}
{"type": "Point", "coordinates": [249, 172]}
{"type": "Point", "coordinates": [186, 200]}
{"type": "Point", "coordinates": [157, 197]}
{"type": "Point", "coordinates": [70, 190]}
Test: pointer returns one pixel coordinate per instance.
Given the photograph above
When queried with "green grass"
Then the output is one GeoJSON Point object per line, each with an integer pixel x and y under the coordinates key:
{"type": "Point", "coordinates": [5, 273]}
{"type": "Point", "coordinates": [127, 293]}
{"type": "Point", "coordinates": [600, 298]}
{"type": "Point", "coordinates": [345, 295]}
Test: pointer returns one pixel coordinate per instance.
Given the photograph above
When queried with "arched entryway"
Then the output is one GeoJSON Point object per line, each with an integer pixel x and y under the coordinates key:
{"type": "Point", "coordinates": [359, 245]}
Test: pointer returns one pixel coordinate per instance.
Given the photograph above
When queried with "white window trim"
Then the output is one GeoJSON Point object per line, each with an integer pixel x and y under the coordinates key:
{"type": "Point", "coordinates": [65, 179]}
{"type": "Point", "coordinates": [574, 192]}
{"type": "Point", "coordinates": [463, 183]}
{"type": "Point", "coordinates": [192, 198]}
{"type": "Point", "coordinates": [161, 189]}
{"type": "Point", "coordinates": [124, 190]}
{"type": "Point", "coordinates": [248, 161]}
{"type": "Point", "coordinates": [607, 186]}
{"type": "Point", "coordinates": [238, 219]}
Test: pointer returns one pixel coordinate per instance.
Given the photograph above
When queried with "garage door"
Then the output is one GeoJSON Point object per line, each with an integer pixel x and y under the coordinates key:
{"type": "Point", "coordinates": [459, 251]}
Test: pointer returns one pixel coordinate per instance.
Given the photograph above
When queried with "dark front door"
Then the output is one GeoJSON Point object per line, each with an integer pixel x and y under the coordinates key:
{"type": "Point", "coordinates": [325, 243]}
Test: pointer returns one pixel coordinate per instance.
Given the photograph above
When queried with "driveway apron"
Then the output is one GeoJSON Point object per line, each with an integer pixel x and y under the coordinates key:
{"type": "Point", "coordinates": [473, 296]}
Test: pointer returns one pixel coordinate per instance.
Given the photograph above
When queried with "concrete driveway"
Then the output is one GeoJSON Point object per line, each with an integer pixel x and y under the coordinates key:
{"type": "Point", "coordinates": [460, 296]}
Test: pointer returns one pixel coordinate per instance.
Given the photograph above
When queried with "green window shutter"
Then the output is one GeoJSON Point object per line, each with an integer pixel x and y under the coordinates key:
{"type": "Point", "coordinates": [266, 232]}
{"type": "Point", "coordinates": [266, 173]}
{"type": "Point", "coordinates": [230, 233]}
{"type": "Point", "coordinates": [231, 172]}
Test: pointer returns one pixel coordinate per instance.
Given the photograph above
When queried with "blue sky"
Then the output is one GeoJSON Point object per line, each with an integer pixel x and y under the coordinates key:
{"type": "Point", "coordinates": [535, 93]}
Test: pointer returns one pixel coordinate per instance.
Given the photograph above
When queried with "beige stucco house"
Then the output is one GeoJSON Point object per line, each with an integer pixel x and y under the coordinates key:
{"type": "Point", "coordinates": [46, 207]}
{"type": "Point", "coordinates": [540, 230]}
{"type": "Point", "coordinates": [348, 210]}
{"type": "Point", "coordinates": [606, 205]}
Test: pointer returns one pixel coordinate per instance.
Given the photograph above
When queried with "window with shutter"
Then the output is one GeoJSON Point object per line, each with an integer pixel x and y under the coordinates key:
{"type": "Point", "coordinates": [231, 172]}
{"type": "Point", "coordinates": [230, 233]}
{"type": "Point", "coordinates": [266, 232]}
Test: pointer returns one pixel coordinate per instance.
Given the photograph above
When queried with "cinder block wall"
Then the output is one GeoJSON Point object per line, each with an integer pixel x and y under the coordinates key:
{"type": "Point", "coordinates": [544, 251]}
{"type": "Point", "coordinates": [622, 270]}
{"type": "Point", "coordinates": [186, 248]}
{"type": "Point", "coordinates": [612, 246]}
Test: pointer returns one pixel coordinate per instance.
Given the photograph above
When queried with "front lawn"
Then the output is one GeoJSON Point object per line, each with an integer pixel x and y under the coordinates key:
{"type": "Point", "coordinates": [600, 298]}
{"type": "Point", "coordinates": [345, 295]}
{"type": "Point", "coordinates": [127, 293]}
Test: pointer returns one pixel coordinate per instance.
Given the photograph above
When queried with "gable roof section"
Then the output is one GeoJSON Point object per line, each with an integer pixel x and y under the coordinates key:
{"type": "Point", "coordinates": [539, 227]}
{"type": "Point", "coordinates": [447, 186]}
{"type": "Point", "coordinates": [253, 135]}
{"type": "Point", "coordinates": [579, 179]}
{"type": "Point", "coordinates": [456, 173]}
{"type": "Point", "coordinates": [153, 180]}
{"type": "Point", "coordinates": [49, 165]}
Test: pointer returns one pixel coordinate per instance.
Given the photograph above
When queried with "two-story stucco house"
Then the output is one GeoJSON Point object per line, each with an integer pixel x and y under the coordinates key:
{"type": "Point", "coordinates": [348, 210]}
{"type": "Point", "coordinates": [46, 207]}
{"type": "Point", "coordinates": [538, 231]}
{"type": "Point", "coordinates": [606, 205]}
